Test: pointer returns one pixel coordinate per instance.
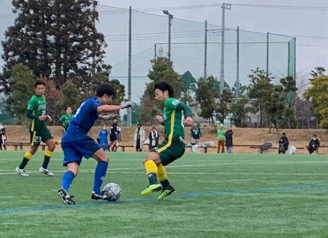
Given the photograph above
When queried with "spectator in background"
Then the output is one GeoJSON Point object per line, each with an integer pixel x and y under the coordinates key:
{"type": "Point", "coordinates": [3, 137]}
{"type": "Point", "coordinates": [229, 143]}
{"type": "Point", "coordinates": [221, 138]}
{"type": "Point", "coordinates": [195, 134]}
{"type": "Point", "coordinates": [283, 144]}
{"type": "Point", "coordinates": [139, 138]}
{"type": "Point", "coordinates": [314, 145]}
{"type": "Point", "coordinates": [113, 136]}
{"type": "Point", "coordinates": [102, 138]}
{"type": "Point", "coordinates": [153, 138]}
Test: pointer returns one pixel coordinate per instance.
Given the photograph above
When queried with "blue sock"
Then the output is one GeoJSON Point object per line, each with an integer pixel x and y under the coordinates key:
{"type": "Point", "coordinates": [100, 173]}
{"type": "Point", "coordinates": [67, 179]}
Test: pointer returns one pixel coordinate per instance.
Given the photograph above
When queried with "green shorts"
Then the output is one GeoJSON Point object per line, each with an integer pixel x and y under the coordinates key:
{"type": "Point", "coordinates": [37, 135]}
{"type": "Point", "coordinates": [170, 150]}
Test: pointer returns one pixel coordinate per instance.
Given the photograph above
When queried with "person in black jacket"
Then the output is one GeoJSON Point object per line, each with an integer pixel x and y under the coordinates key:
{"type": "Point", "coordinates": [229, 143]}
{"type": "Point", "coordinates": [283, 144]}
{"type": "Point", "coordinates": [314, 145]}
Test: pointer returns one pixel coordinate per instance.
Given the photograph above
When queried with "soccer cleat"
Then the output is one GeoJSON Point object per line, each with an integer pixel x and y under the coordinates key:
{"type": "Point", "coordinates": [101, 196]}
{"type": "Point", "coordinates": [46, 171]}
{"type": "Point", "coordinates": [165, 193]}
{"type": "Point", "coordinates": [21, 172]}
{"type": "Point", "coordinates": [67, 199]}
{"type": "Point", "coordinates": [151, 188]}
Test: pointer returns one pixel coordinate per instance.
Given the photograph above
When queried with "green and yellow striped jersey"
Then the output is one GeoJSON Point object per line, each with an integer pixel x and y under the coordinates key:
{"type": "Point", "coordinates": [174, 115]}
{"type": "Point", "coordinates": [38, 107]}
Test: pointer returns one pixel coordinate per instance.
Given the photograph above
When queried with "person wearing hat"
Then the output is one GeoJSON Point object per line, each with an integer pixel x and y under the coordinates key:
{"type": "Point", "coordinates": [221, 138]}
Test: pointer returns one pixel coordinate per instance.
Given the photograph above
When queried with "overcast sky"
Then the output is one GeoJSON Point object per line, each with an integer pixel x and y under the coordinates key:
{"type": "Point", "coordinates": [307, 20]}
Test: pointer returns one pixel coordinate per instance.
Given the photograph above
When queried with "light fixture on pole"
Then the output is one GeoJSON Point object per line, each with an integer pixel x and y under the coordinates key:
{"type": "Point", "coordinates": [166, 12]}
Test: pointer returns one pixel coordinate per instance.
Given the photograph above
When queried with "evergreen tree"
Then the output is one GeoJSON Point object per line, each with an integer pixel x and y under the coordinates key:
{"type": "Point", "coordinates": [22, 82]}
{"type": "Point", "coordinates": [162, 70]}
{"type": "Point", "coordinates": [56, 37]}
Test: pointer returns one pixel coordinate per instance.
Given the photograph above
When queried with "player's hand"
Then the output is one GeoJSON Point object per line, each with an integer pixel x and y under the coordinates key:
{"type": "Point", "coordinates": [127, 104]}
{"type": "Point", "coordinates": [43, 117]}
{"type": "Point", "coordinates": [49, 118]}
{"type": "Point", "coordinates": [189, 121]}
{"type": "Point", "coordinates": [110, 116]}
{"type": "Point", "coordinates": [159, 118]}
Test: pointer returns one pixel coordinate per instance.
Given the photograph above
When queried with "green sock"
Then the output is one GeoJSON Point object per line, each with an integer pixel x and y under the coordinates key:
{"type": "Point", "coordinates": [45, 162]}
{"type": "Point", "coordinates": [23, 163]}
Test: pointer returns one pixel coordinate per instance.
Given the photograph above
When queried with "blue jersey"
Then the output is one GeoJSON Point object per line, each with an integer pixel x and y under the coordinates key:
{"type": "Point", "coordinates": [84, 118]}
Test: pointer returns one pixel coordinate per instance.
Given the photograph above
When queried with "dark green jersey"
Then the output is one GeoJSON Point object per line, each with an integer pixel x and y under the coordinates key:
{"type": "Point", "coordinates": [65, 120]}
{"type": "Point", "coordinates": [174, 114]}
{"type": "Point", "coordinates": [36, 107]}
{"type": "Point", "coordinates": [195, 132]}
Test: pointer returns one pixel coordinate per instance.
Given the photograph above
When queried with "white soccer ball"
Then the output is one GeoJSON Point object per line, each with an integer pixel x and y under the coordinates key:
{"type": "Point", "coordinates": [113, 191]}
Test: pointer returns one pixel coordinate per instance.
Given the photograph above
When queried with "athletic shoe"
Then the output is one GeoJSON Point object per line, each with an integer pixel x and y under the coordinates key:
{"type": "Point", "coordinates": [46, 171]}
{"type": "Point", "coordinates": [21, 172]}
{"type": "Point", "coordinates": [67, 199]}
{"type": "Point", "coordinates": [101, 196]}
{"type": "Point", "coordinates": [151, 188]}
{"type": "Point", "coordinates": [165, 193]}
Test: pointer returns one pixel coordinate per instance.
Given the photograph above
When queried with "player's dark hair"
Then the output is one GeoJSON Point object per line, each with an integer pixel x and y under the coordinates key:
{"type": "Point", "coordinates": [105, 88]}
{"type": "Point", "coordinates": [39, 82]}
{"type": "Point", "coordinates": [163, 86]}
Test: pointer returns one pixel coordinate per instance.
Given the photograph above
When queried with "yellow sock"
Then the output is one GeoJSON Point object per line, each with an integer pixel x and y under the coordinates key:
{"type": "Point", "coordinates": [150, 167]}
{"type": "Point", "coordinates": [48, 153]}
{"type": "Point", "coordinates": [161, 173]}
{"type": "Point", "coordinates": [28, 155]}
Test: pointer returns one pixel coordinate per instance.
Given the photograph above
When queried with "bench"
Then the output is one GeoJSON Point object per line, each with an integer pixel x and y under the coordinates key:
{"type": "Point", "coordinates": [21, 145]}
{"type": "Point", "coordinates": [262, 148]}
{"type": "Point", "coordinates": [123, 146]}
{"type": "Point", "coordinates": [203, 147]}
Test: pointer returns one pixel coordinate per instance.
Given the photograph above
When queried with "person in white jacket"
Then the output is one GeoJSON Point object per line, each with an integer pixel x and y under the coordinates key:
{"type": "Point", "coordinates": [139, 138]}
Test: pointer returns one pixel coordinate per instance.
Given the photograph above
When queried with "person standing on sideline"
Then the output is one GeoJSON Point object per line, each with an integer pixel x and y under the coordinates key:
{"type": "Point", "coordinates": [139, 138]}
{"type": "Point", "coordinates": [36, 110]}
{"type": "Point", "coordinates": [77, 144]}
{"type": "Point", "coordinates": [3, 137]}
{"type": "Point", "coordinates": [195, 134]}
{"type": "Point", "coordinates": [283, 144]}
{"type": "Point", "coordinates": [229, 141]}
{"type": "Point", "coordinates": [173, 146]}
{"type": "Point", "coordinates": [102, 138]}
{"type": "Point", "coordinates": [221, 138]}
{"type": "Point", "coordinates": [66, 118]}
{"type": "Point", "coordinates": [113, 136]}
{"type": "Point", "coordinates": [153, 138]}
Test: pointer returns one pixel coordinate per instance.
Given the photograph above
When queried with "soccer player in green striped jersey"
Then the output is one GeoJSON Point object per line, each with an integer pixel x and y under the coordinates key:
{"type": "Point", "coordinates": [36, 110]}
{"type": "Point", "coordinates": [175, 115]}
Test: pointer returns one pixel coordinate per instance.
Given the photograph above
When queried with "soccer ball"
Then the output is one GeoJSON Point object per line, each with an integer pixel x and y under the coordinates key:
{"type": "Point", "coordinates": [113, 191]}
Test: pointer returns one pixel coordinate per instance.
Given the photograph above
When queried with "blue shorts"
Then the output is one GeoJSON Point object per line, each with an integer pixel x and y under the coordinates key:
{"type": "Point", "coordinates": [76, 149]}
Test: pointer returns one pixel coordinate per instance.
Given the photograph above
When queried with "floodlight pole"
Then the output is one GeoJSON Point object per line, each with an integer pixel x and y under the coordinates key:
{"type": "Point", "coordinates": [170, 17]}
{"type": "Point", "coordinates": [129, 111]}
{"type": "Point", "coordinates": [224, 6]}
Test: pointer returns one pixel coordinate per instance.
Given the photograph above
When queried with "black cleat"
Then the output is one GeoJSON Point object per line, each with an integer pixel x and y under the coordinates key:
{"type": "Point", "coordinates": [165, 193]}
{"type": "Point", "coordinates": [67, 199]}
{"type": "Point", "coordinates": [101, 196]}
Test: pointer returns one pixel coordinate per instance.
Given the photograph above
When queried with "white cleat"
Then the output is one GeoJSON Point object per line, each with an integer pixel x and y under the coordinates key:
{"type": "Point", "coordinates": [21, 172]}
{"type": "Point", "coordinates": [46, 171]}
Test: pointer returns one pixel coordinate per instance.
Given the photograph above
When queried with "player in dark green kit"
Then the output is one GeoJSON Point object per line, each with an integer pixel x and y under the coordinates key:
{"type": "Point", "coordinates": [36, 110]}
{"type": "Point", "coordinates": [176, 114]}
{"type": "Point", "coordinates": [66, 118]}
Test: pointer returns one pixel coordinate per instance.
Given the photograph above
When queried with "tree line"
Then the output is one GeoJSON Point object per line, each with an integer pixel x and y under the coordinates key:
{"type": "Point", "coordinates": [57, 41]}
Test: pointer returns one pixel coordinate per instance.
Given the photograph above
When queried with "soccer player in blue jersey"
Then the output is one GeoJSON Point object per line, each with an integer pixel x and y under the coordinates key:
{"type": "Point", "coordinates": [77, 144]}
